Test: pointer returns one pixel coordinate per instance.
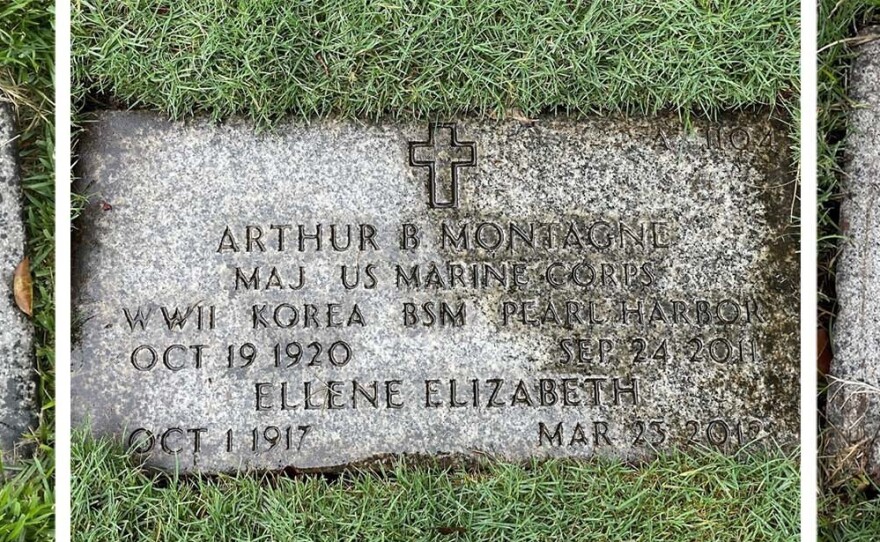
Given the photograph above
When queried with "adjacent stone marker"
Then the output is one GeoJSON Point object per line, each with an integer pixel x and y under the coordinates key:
{"type": "Point", "coordinates": [17, 385]}
{"type": "Point", "coordinates": [334, 293]}
{"type": "Point", "coordinates": [854, 399]}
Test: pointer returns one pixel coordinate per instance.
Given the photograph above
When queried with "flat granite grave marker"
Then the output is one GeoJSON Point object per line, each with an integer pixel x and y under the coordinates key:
{"type": "Point", "coordinates": [336, 293]}
{"type": "Point", "coordinates": [854, 397]}
{"type": "Point", "coordinates": [17, 385]}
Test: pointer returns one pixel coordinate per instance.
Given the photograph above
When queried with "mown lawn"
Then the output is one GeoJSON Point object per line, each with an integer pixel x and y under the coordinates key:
{"type": "Point", "coordinates": [706, 496]}
{"type": "Point", "coordinates": [26, 71]}
{"type": "Point", "coordinates": [268, 59]}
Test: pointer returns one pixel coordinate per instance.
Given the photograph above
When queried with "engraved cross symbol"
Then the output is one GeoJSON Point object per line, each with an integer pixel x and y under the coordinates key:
{"type": "Point", "coordinates": [443, 154]}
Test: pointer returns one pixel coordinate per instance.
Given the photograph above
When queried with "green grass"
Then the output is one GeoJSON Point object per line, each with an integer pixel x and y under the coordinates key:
{"type": "Point", "coordinates": [26, 68]}
{"type": "Point", "coordinates": [849, 511]}
{"type": "Point", "coordinates": [675, 498]}
{"type": "Point", "coordinates": [268, 59]}
{"type": "Point", "coordinates": [857, 520]}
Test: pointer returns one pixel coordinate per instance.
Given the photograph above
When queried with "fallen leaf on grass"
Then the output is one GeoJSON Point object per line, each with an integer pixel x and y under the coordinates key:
{"type": "Point", "coordinates": [23, 287]}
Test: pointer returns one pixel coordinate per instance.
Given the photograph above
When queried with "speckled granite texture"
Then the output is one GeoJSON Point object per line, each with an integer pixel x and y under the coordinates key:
{"type": "Point", "coordinates": [610, 287]}
{"type": "Point", "coordinates": [854, 399]}
{"type": "Point", "coordinates": [17, 385]}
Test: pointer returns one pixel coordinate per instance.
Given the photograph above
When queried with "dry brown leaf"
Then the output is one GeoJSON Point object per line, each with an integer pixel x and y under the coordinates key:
{"type": "Point", "coordinates": [23, 287]}
{"type": "Point", "coordinates": [823, 349]}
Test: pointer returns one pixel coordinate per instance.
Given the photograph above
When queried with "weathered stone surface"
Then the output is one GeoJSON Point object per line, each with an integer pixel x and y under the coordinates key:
{"type": "Point", "coordinates": [854, 399]}
{"type": "Point", "coordinates": [17, 386]}
{"type": "Point", "coordinates": [688, 233]}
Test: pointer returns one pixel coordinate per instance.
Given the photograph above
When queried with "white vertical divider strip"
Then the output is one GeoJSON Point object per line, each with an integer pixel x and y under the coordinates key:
{"type": "Point", "coordinates": [809, 414]}
{"type": "Point", "coordinates": [62, 269]}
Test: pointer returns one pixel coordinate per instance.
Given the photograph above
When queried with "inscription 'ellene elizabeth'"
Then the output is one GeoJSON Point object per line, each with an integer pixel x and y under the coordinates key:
{"type": "Point", "coordinates": [551, 299]}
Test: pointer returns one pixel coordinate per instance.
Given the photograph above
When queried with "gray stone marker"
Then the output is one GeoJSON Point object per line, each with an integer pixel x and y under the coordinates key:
{"type": "Point", "coordinates": [335, 293]}
{"type": "Point", "coordinates": [854, 398]}
{"type": "Point", "coordinates": [17, 385]}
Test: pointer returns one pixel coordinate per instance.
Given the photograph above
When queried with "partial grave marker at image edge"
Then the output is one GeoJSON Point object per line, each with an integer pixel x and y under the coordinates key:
{"type": "Point", "coordinates": [17, 375]}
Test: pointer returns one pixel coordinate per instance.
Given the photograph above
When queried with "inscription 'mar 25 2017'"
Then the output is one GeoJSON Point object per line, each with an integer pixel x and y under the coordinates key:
{"type": "Point", "coordinates": [336, 293]}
